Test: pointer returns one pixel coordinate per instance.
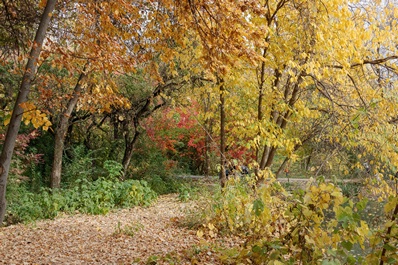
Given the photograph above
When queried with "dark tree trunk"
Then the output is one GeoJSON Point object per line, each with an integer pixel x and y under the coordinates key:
{"type": "Point", "coordinates": [60, 134]}
{"type": "Point", "coordinates": [206, 166]}
{"type": "Point", "coordinates": [223, 161]}
{"type": "Point", "coordinates": [128, 152]}
{"type": "Point", "coordinates": [15, 121]}
{"type": "Point", "coordinates": [208, 130]}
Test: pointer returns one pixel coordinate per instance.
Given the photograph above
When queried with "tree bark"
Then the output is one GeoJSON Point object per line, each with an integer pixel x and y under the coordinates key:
{"type": "Point", "coordinates": [128, 151]}
{"type": "Point", "coordinates": [282, 167]}
{"type": "Point", "coordinates": [208, 131]}
{"type": "Point", "coordinates": [60, 134]}
{"type": "Point", "coordinates": [142, 109]}
{"type": "Point", "coordinates": [15, 121]}
{"type": "Point", "coordinates": [223, 161]}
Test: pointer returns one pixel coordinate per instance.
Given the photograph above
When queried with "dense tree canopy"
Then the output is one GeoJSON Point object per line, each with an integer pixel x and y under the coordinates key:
{"type": "Point", "coordinates": [120, 90]}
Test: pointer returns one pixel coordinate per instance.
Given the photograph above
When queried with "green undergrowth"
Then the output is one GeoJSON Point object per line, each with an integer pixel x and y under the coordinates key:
{"type": "Point", "coordinates": [97, 197]}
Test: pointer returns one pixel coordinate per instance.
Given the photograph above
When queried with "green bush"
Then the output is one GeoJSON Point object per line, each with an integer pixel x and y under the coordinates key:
{"type": "Point", "coordinates": [97, 197]}
{"type": "Point", "coordinates": [79, 165]}
{"type": "Point", "coordinates": [153, 167]}
{"type": "Point", "coordinates": [187, 192]}
{"type": "Point", "coordinates": [113, 168]}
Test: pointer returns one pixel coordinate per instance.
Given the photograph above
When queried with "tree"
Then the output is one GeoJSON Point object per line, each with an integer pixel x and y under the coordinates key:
{"type": "Point", "coordinates": [107, 42]}
{"type": "Point", "coordinates": [140, 110]}
{"type": "Point", "coordinates": [308, 63]}
{"type": "Point", "coordinates": [13, 127]}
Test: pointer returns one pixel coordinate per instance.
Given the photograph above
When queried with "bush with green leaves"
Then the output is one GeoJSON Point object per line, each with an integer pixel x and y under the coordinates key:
{"type": "Point", "coordinates": [153, 166]}
{"type": "Point", "coordinates": [77, 165]}
{"type": "Point", "coordinates": [113, 168]}
{"type": "Point", "coordinates": [97, 197]}
{"type": "Point", "coordinates": [187, 192]}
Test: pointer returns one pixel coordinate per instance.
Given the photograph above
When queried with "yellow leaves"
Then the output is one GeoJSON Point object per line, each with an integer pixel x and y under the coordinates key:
{"type": "Point", "coordinates": [102, 97]}
{"type": "Point", "coordinates": [363, 229]}
{"type": "Point", "coordinates": [199, 233]}
{"type": "Point", "coordinates": [275, 262]}
{"type": "Point", "coordinates": [390, 205]}
{"type": "Point", "coordinates": [32, 115]}
{"type": "Point", "coordinates": [7, 120]}
{"type": "Point", "coordinates": [323, 196]}
{"type": "Point", "coordinates": [208, 229]}
{"type": "Point", "coordinates": [300, 224]}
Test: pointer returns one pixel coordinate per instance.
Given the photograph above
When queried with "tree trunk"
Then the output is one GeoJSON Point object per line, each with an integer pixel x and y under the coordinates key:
{"type": "Point", "coordinates": [60, 134]}
{"type": "Point", "coordinates": [128, 152]}
{"type": "Point", "coordinates": [282, 167]}
{"type": "Point", "coordinates": [208, 131]}
{"type": "Point", "coordinates": [143, 110]}
{"type": "Point", "coordinates": [206, 166]}
{"type": "Point", "coordinates": [223, 161]}
{"type": "Point", "coordinates": [15, 121]}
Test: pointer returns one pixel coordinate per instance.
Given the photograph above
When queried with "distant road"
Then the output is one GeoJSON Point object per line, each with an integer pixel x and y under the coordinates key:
{"type": "Point", "coordinates": [357, 180]}
{"type": "Point", "coordinates": [199, 177]}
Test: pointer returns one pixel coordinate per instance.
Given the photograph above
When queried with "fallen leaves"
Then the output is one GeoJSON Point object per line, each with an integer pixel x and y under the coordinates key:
{"type": "Point", "coordinates": [83, 239]}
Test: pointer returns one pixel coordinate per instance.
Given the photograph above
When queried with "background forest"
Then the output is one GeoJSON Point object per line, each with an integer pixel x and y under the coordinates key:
{"type": "Point", "coordinates": [106, 104]}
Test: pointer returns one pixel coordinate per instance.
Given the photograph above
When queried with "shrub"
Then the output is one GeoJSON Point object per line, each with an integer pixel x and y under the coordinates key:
{"type": "Point", "coordinates": [113, 168]}
{"type": "Point", "coordinates": [187, 192]}
{"type": "Point", "coordinates": [79, 165]}
{"type": "Point", "coordinates": [97, 197]}
{"type": "Point", "coordinates": [154, 167]}
{"type": "Point", "coordinates": [315, 226]}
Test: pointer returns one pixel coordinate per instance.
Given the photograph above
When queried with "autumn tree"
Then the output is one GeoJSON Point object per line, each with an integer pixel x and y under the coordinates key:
{"type": "Point", "coordinates": [15, 121]}
{"type": "Point", "coordinates": [302, 67]}
{"type": "Point", "coordinates": [93, 53]}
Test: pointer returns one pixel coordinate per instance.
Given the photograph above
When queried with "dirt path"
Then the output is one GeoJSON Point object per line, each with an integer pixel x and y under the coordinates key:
{"type": "Point", "coordinates": [127, 236]}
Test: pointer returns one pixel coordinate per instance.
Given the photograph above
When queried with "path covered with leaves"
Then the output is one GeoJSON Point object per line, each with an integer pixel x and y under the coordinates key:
{"type": "Point", "coordinates": [129, 236]}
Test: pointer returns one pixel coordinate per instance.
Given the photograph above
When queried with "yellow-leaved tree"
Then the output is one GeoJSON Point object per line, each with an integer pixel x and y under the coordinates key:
{"type": "Point", "coordinates": [320, 72]}
{"type": "Point", "coordinates": [293, 72]}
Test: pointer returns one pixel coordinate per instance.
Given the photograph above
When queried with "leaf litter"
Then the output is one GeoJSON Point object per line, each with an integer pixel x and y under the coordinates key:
{"type": "Point", "coordinates": [128, 236]}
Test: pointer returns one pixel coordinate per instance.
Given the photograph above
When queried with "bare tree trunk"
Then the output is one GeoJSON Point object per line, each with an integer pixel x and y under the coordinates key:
{"type": "Point", "coordinates": [223, 162]}
{"type": "Point", "coordinates": [142, 111]}
{"type": "Point", "coordinates": [282, 167]}
{"type": "Point", "coordinates": [206, 166]}
{"type": "Point", "coordinates": [128, 151]}
{"type": "Point", "coordinates": [15, 121]}
{"type": "Point", "coordinates": [208, 130]}
{"type": "Point", "coordinates": [60, 134]}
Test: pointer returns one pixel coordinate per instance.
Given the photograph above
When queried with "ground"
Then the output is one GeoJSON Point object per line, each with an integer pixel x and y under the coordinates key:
{"type": "Point", "coordinates": [142, 235]}
{"type": "Point", "coordinates": [129, 236]}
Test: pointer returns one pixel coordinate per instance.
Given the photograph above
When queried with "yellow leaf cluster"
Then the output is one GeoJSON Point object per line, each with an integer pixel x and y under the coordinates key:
{"type": "Point", "coordinates": [32, 115]}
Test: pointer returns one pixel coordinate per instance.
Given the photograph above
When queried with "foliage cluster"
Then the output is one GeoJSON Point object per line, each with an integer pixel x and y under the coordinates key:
{"type": "Point", "coordinates": [155, 167]}
{"type": "Point", "coordinates": [25, 156]}
{"type": "Point", "coordinates": [91, 197]}
{"type": "Point", "coordinates": [304, 80]}
{"type": "Point", "coordinates": [315, 225]}
{"type": "Point", "coordinates": [177, 132]}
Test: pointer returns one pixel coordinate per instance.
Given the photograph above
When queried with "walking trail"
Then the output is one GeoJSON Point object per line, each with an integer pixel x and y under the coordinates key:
{"type": "Point", "coordinates": [129, 236]}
